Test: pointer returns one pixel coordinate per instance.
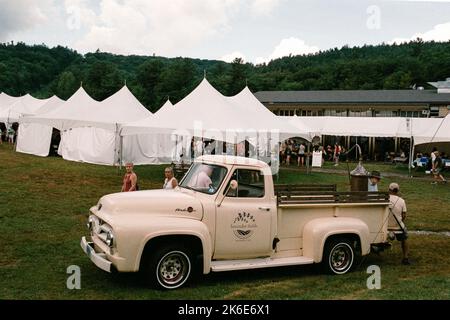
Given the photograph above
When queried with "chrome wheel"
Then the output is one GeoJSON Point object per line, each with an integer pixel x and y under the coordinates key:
{"type": "Point", "coordinates": [173, 269]}
{"type": "Point", "coordinates": [341, 258]}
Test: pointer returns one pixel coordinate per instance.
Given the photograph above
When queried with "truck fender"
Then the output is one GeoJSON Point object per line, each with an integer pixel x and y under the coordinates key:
{"type": "Point", "coordinates": [317, 231]}
{"type": "Point", "coordinates": [163, 226]}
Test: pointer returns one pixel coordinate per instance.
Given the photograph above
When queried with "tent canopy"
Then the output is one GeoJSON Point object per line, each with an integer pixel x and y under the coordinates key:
{"type": "Point", "coordinates": [165, 108]}
{"type": "Point", "coordinates": [253, 110]}
{"type": "Point", "coordinates": [6, 100]}
{"type": "Point", "coordinates": [437, 132]}
{"type": "Point", "coordinates": [83, 111]}
{"type": "Point", "coordinates": [369, 126]}
{"type": "Point", "coordinates": [24, 105]}
{"type": "Point", "coordinates": [205, 112]}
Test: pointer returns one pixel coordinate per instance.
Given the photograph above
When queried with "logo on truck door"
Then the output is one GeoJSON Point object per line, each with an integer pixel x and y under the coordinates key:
{"type": "Point", "coordinates": [243, 225]}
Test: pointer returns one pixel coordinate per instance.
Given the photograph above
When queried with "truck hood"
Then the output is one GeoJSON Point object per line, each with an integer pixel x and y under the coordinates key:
{"type": "Point", "coordinates": [171, 203]}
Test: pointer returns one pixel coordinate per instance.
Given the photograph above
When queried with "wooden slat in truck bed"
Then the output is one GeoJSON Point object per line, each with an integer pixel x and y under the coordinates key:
{"type": "Point", "coordinates": [304, 187]}
{"type": "Point", "coordinates": [322, 197]}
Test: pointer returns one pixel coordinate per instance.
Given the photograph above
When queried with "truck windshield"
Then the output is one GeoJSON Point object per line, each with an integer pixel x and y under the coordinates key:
{"type": "Point", "coordinates": [205, 178]}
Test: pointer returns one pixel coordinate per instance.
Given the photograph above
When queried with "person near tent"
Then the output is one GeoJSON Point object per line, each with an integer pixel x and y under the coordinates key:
{"type": "Point", "coordinates": [437, 169]}
{"type": "Point", "coordinates": [433, 158]}
{"type": "Point", "coordinates": [374, 179]}
{"type": "Point", "coordinates": [397, 217]}
{"type": "Point", "coordinates": [170, 182]}
{"type": "Point", "coordinates": [129, 179]}
{"type": "Point", "coordinates": [301, 155]}
{"type": "Point", "coordinates": [11, 133]}
{"type": "Point", "coordinates": [336, 154]}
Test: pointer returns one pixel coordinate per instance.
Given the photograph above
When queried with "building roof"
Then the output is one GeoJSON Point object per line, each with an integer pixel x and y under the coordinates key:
{"type": "Point", "coordinates": [354, 96]}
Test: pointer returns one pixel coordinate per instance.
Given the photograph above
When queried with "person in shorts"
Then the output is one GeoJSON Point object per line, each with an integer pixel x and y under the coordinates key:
{"type": "Point", "coordinates": [397, 217]}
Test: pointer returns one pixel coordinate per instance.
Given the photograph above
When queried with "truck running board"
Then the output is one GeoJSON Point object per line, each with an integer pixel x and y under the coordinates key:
{"type": "Point", "coordinates": [229, 265]}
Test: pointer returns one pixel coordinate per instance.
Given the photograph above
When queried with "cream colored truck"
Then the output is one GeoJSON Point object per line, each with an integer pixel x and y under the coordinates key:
{"type": "Point", "coordinates": [225, 215]}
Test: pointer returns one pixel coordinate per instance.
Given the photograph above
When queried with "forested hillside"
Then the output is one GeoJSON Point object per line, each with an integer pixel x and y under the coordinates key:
{"type": "Point", "coordinates": [43, 71]}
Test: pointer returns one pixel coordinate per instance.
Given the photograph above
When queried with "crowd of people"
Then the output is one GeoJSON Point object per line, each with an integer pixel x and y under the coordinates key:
{"type": "Point", "coordinates": [294, 152]}
{"type": "Point", "coordinates": [8, 134]}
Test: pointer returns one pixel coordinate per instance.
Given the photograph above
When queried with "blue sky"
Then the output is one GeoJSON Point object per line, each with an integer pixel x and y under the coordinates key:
{"type": "Point", "coordinates": [257, 30]}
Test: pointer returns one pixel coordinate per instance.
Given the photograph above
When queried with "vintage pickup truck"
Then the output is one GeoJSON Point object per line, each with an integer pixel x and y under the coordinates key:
{"type": "Point", "coordinates": [226, 215]}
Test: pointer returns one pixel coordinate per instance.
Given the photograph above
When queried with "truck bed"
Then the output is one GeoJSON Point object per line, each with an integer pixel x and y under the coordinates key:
{"type": "Point", "coordinates": [323, 194]}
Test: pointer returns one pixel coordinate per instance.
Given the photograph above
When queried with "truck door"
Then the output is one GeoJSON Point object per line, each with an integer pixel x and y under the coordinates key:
{"type": "Point", "coordinates": [244, 217]}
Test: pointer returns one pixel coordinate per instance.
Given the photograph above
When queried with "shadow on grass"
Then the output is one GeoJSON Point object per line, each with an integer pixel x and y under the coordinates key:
{"type": "Point", "coordinates": [226, 278]}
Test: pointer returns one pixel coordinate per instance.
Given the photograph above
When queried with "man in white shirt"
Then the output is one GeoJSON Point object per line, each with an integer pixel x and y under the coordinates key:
{"type": "Point", "coordinates": [397, 216]}
{"type": "Point", "coordinates": [203, 178]}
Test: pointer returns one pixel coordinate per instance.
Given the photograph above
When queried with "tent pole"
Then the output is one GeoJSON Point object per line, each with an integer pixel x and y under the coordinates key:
{"type": "Point", "coordinates": [121, 154]}
{"type": "Point", "coordinates": [307, 158]}
{"type": "Point", "coordinates": [411, 155]}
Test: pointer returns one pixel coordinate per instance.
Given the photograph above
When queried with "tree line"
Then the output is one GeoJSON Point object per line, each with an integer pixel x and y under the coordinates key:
{"type": "Point", "coordinates": [43, 71]}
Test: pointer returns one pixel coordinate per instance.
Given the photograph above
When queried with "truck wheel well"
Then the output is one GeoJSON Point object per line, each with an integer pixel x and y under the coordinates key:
{"type": "Point", "coordinates": [354, 238]}
{"type": "Point", "coordinates": [192, 243]}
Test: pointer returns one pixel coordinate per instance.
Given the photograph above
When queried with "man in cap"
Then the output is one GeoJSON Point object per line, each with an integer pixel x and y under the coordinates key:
{"type": "Point", "coordinates": [374, 178]}
{"type": "Point", "coordinates": [397, 216]}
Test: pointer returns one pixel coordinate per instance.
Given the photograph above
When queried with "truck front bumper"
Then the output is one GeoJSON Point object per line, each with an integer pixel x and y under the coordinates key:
{"type": "Point", "coordinates": [99, 259]}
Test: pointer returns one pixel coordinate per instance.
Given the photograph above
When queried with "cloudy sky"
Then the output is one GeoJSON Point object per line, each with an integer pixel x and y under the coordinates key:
{"type": "Point", "coordinates": [256, 30]}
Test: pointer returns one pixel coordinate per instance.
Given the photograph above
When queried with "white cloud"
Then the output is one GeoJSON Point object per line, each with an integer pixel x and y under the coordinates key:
{"type": "Point", "coordinates": [440, 32]}
{"type": "Point", "coordinates": [159, 26]}
{"type": "Point", "coordinates": [263, 7]}
{"type": "Point", "coordinates": [231, 56]}
{"type": "Point", "coordinates": [79, 14]}
{"type": "Point", "coordinates": [290, 46]}
{"type": "Point", "coordinates": [21, 15]}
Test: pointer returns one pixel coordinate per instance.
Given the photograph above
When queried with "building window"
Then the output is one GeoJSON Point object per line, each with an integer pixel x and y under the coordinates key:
{"type": "Point", "coordinates": [434, 111]}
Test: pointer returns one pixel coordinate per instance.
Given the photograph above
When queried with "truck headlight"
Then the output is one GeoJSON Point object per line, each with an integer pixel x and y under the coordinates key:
{"type": "Point", "coordinates": [109, 238]}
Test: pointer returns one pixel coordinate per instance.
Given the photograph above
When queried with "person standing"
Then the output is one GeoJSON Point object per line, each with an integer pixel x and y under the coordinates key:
{"type": "Point", "coordinates": [170, 182]}
{"type": "Point", "coordinates": [397, 217]}
{"type": "Point", "coordinates": [336, 154]}
{"type": "Point", "coordinates": [433, 158]}
{"type": "Point", "coordinates": [437, 168]}
{"type": "Point", "coordinates": [129, 179]}
{"type": "Point", "coordinates": [374, 179]}
{"type": "Point", "coordinates": [11, 133]}
{"type": "Point", "coordinates": [301, 155]}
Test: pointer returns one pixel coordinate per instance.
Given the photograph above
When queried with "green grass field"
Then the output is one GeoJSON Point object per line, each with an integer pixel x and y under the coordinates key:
{"type": "Point", "coordinates": [44, 204]}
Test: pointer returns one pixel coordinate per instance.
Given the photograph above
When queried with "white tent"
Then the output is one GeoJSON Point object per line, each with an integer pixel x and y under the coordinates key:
{"type": "Point", "coordinates": [35, 138]}
{"type": "Point", "coordinates": [89, 129]}
{"type": "Point", "coordinates": [266, 142]}
{"type": "Point", "coordinates": [348, 126]}
{"type": "Point", "coordinates": [24, 105]}
{"type": "Point", "coordinates": [6, 100]}
{"type": "Point", "coordinates": [206, 113]}
{"type": "Point", "coordinates": [439, 131]}
{"type": "Point", "coordinates": [150, 148]}
{"type": "Point", "coordinates": [252, 109]}
{"type": "Point", "coordinates": [368, 126]}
